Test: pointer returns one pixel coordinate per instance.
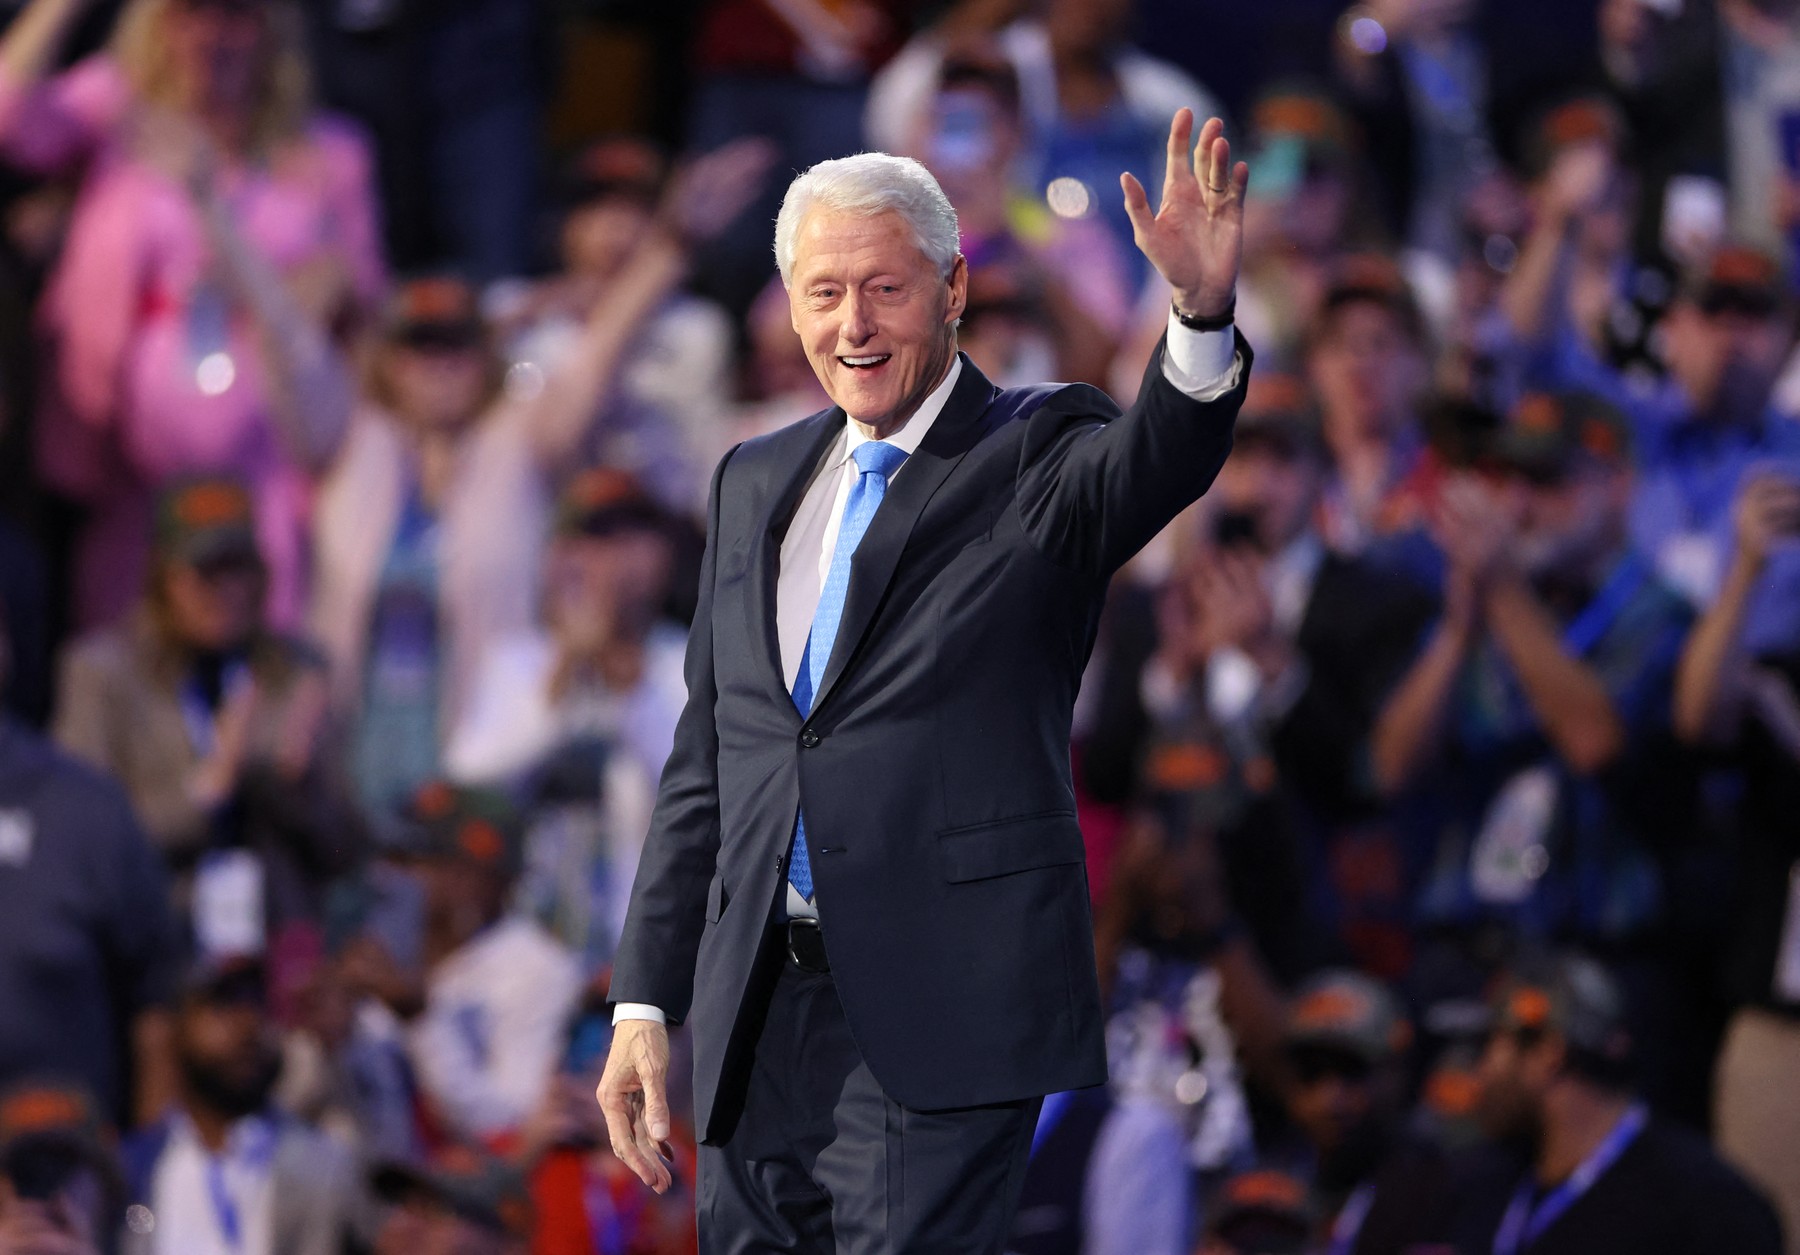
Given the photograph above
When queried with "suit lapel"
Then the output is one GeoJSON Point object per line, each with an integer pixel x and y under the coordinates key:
{"type": "Point", "coordinates": [872, 569]}
{"type": "Point", "coordinates": [814, 435]}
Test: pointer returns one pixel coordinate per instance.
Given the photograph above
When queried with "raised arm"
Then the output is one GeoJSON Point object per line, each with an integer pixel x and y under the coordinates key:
{"type": "Point", "coordinates": [703, 199]}
{"type": "Point", "coordinates": [46, 125]}
{"type": "Point", "coordinates": [1568, 696]}
{"type": "Point", "coordinates": [1708, 683]}
{"type": "Point", "coordinates": [1409, 731]}
{"type": "Point", "coordinates": [1535, 297]}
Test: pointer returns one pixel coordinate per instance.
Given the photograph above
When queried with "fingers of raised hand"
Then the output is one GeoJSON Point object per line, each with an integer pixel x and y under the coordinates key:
{"type": "Point", "coordinates": [1137, 205]}
{"type": "Point", "coordinates": [1212, 157]}
{"type": "Point", "coordinates": [1181, 132]}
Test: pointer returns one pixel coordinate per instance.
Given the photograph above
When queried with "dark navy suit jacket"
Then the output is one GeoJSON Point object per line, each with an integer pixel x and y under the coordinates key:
{"type": "Point", "coordinates": [934, 768]}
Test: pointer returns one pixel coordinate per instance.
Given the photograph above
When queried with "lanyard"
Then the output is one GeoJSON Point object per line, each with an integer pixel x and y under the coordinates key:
{"type": "Point", "coordinates": [256, 1153]}
{"type": "Point", "coordinates": [1350, 1219]}
{"type": "Point", "coordinates": [1523, 1224]}
{"type": "Point", "coordinates": [1608, 604]}
{"type": "Point", "coordinates": [225, 1209]}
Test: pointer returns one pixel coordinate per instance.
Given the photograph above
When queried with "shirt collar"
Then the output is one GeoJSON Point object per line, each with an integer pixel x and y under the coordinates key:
{"type": "Point", "coordinates": [912, 435]}
{"type": "Point", "coordinates": [251, 1141]}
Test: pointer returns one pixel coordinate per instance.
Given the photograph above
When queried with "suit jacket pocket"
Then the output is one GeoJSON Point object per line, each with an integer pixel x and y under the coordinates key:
{"type": "Point", "coordinates": [716, 898]}
{"type": "Point", "coordinates": [1003, 846]}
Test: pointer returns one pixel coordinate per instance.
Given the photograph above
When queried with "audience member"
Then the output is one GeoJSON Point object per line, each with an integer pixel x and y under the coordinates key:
{"type": "Point", "coordinates": [499, 991]}
{"type": "Point", "coordinates": [1368, 362]}
{"type": "Point", "coordinates": [1571, 273]}
{"type": "Point", "coordinates": [1478, 361]}
{"type": "Point", "coordinates": [795, 75]}
{"type": "Point", "coordinates": [1601, 1173]}
{"type": "Point", "coordinates": [415, 578]}
{"type": "Point", "coordinates": [1093, 105]}
{"type": "Point", "coordinates": [221, 229]}
{"type": "Point", "coordinates": [1306, 209]}
{"type": "Point", "coordinates": [1760, 53]}
{"type": "Point", "coordinates": [1750, 704]}
{"type": "Point", "coordinates": [779, 384]}
{"type": "Point", "coordinates": [1049, 292]}
{"type": "Point", "coordinates": [61, 1192]}
{"type": "Point", "coordinates": [578, 717]}
{"type": "Point", "coordinates": [463, 1204]}
{"type": "Point", "coordinates": [1725, 337]}
{"type": "Point", "coordinates": [1535, 716]}
{"type": "Point", "coordinates": [1187, 995]}
{"type": "Point", "coordinates": [215, 723]}
{"type": "Point", "coordinates": [225, 1172]}
{"type": "Point", "coordinates": [673, 375]}
{"type": "Point", "coordinates": [1664, 67]}
{"type": "Point", "coordinates": [87, 946]}
{"type": "Point", "coordinates": [344, 1068]}
{"type": "Point", "coordinates": [1377, 1185]}
{"type": "Point", "coordinates": [1259, 1213]}
{"type": "Point", "coordinates": [1276, 656]}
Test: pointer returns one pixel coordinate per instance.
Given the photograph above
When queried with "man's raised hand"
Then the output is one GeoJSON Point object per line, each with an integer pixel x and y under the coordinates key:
{"type": "Point", "coordinates": [634, 1095]}
{"type": "Point", "coordinates": [1196, 238]}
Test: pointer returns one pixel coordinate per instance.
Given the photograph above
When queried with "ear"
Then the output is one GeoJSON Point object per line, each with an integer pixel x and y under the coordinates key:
{"type": "Point", "coordinates": [959, 289]}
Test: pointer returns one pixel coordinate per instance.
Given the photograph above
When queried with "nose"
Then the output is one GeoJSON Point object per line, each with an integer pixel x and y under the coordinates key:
{"type": "Point", "coordinates": [858, 327]}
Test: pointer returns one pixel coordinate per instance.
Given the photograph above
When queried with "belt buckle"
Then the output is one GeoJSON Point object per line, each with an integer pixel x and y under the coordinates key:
{"type": "Point", "coordinates": [807, 933]}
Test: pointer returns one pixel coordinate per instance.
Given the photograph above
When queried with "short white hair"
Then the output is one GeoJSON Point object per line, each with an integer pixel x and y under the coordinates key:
{"type": "Point", "coordinates": [871, 183]}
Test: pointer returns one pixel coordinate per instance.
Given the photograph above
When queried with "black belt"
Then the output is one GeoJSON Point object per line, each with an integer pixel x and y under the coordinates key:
{"type": "Point", "coordinates": [806, 946]}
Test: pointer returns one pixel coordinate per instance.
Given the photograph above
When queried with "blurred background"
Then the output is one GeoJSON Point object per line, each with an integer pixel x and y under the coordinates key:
{"type": "Point", "coordinates": [363, 365]}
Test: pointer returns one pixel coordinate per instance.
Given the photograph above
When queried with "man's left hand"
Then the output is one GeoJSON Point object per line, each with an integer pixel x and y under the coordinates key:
{"type": "Point", "coordinates": [1196, 239]}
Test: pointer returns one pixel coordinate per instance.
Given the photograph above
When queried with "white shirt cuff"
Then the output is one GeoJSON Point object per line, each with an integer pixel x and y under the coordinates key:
{"type": "Point", "coordinates": [1201, 364]}
{"type": "Point", "coordinates": [638, 1011]}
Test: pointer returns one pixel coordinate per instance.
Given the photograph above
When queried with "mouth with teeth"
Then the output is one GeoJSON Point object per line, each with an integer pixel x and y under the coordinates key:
{"type": "Point", "coordinates": [870, 361]}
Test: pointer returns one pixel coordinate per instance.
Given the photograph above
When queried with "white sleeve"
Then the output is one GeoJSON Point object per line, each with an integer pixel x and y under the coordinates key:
{"type": "Point", "coordinates": [638, 1011]}
{"type": "Point", "coordinates": [1201, 364]}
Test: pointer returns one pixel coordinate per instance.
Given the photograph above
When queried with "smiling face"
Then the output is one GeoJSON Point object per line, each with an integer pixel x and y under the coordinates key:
{"type": "Point", "coordinates": [877, 318]}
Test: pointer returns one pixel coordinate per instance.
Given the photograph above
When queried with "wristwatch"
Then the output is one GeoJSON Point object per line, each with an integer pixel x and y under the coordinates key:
{"type": "Point", "coordinates": [1219, 322]}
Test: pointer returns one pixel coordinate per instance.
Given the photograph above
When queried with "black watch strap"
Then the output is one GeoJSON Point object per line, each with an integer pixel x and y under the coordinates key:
{"type": "Point", "coordinates": [1193, 322]}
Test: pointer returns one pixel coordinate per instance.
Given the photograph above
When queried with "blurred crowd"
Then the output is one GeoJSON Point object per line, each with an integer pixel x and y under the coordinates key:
{"type": "Point", "coordinates": [1439, 770]}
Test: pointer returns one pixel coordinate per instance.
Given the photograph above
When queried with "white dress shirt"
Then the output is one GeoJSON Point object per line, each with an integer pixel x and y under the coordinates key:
{"type": "Point", "coordinates": [496, 1018]}
{"type": "Point", "coordinates": [199, 1198]}
{"type": "Point", "coordinates": [1200, 364]}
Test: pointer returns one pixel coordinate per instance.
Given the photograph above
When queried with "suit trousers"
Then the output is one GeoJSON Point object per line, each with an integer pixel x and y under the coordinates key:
{"type": "Point", "coordinates": [821, 1162]}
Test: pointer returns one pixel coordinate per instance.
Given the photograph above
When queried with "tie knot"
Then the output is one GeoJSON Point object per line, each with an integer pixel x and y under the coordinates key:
{"type": "Point", "coordinates": [873, 457]}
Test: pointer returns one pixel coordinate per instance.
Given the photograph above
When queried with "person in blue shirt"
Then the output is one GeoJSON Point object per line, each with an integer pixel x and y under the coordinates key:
{"type": "Point", "coordinates": [1705, 429]}
{"type": "Point", "coordinates": [1531, 733]}
{"type": "Point", "coordinates": [87, 939]}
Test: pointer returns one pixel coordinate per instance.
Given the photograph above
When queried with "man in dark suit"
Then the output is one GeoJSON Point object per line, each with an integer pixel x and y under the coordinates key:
{"type": "Point", "coordinates": [864, 884]}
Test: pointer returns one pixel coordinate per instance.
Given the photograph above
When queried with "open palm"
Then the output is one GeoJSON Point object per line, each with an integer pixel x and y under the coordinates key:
{"type": "Point", "coordinates": [1196, 238]}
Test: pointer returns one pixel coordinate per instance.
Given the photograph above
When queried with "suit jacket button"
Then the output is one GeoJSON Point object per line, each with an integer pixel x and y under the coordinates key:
{"type": "Point", "coordinates": [809, 738]}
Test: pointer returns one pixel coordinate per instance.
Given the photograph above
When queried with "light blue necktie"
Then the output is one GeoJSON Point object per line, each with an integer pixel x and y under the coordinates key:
{"type": "Point", "coordinates": [876, 461]}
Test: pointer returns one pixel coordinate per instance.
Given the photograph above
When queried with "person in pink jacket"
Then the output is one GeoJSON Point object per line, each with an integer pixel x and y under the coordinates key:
{"type": "Point", "coordinates": [222, 232]}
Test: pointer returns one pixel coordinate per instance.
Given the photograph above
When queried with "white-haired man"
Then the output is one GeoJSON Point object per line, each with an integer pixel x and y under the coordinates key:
{"type": "Point", "coordinates": [864, 884]}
